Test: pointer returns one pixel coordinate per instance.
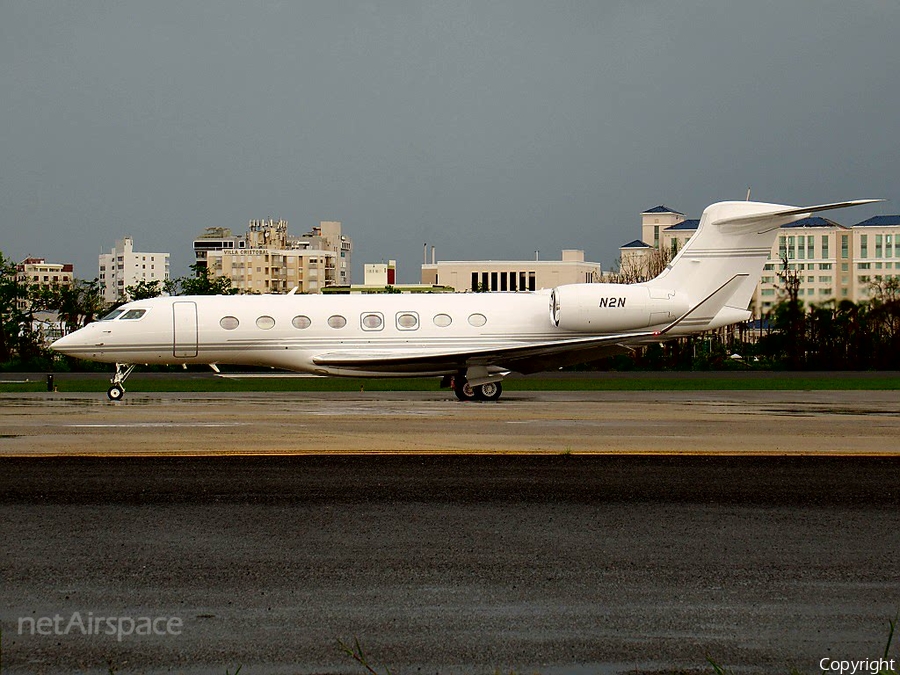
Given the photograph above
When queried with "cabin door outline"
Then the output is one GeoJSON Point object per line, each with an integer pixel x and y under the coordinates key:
{"type": "Point", "coordinates": [185, 330]}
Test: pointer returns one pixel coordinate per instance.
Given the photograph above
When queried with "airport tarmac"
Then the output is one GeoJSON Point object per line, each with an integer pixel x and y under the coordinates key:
{"type": "Point", "coordinates": [561, 533]}
{"type": "Point", "coordinates": [709, 422]}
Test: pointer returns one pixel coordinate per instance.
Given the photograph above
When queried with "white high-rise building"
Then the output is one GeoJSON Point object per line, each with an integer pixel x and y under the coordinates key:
{"type": "Point", "coordinates": [123, 267]}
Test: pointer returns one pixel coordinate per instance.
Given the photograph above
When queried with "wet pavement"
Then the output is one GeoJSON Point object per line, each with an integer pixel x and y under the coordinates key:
{"type": "Point", "coordinates": [554, 564]}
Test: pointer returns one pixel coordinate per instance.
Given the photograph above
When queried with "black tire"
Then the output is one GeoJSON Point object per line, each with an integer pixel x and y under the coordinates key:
{"type": "Point", "coordinates": [116, 392]}
{"type": "Point", "coordinates": [463, 390]}
{"type": "Point", "coordinates": [489, 392]}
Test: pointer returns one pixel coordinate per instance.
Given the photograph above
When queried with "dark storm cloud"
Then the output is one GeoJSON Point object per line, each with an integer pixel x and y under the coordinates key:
{"type": "Point", "coordinates": [487, 129]}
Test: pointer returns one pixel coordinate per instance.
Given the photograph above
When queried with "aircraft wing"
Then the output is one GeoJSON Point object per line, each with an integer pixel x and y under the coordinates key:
{"type": "Point", "coordinates": [524, 357]}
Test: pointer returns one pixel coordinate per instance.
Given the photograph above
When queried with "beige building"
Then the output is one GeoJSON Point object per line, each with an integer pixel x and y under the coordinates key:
{"type": "Point", "coordinates": [328, 237]}
{"type": "Point", "coordinates": [874, 253]}
{"type": "Point", "coordinates": [832, 262]}
{"type": "Point", "coordinates": [511, 275]}
{"type": "Point", "coordinates": [123, 267]}
{"type": "Point", "coordinates": [38, 272]}
{"type": "Point", "coordinates": [267, 260]}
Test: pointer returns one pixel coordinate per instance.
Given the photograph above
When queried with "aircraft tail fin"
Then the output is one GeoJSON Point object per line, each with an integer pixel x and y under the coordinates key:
{"type": "Point", "coordinates": [733, 241]}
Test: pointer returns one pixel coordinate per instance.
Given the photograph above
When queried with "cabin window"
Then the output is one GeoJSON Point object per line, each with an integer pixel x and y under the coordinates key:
{"type": "Point", "coordinates": [477, 320]}
{"type": "Point", "coordinates": [301, 322]}
{"type": "Point", "coordinates": [442, 320]}
{"type": "Point", "coordinates": [372, 321]}
{"type": "Point", "coordinates": [407, 321]}
{"type": "Point", "coordinates": [133, 314]}
{"type": "Point", "coordinates": [337, 321]}
{"type": "Point", "coordinates": [229, 322]}
{"type": "Point", "coordinates": [265, 322]}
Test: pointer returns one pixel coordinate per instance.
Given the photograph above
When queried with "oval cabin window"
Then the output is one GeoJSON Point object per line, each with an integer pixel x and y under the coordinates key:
{"type": "Point", "coordinates": [229, 322]}
{"type": "Point", "coordinates": [337, 321]}
{"type": "Point", "coordinates": [265, 322]}
{"type": "Point", "coordinates": [301, 322]}
{"type": "Point", "coordinates": [442, 320]}
{"type": "Point", "coordinates": [477, 320]}
{"type": "Point", "coordinates": [407, 321]}
{"type": "Point", "coordinates": [372, 321]}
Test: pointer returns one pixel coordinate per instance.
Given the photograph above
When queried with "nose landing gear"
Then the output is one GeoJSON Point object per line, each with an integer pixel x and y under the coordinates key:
{"type": "Point", "coordinates": [116, 392]}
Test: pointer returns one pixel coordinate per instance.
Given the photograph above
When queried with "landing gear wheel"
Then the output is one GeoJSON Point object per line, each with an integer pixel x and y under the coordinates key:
{"type": "Point", "coordinates": [489, 392]}
{"type": "Point", "coordinates": [463, 390]}
{"type": "Point", "coordinates": [116, 392]}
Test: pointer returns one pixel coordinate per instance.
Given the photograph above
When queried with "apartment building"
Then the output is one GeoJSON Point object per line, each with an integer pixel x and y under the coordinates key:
{"type": "Point", "coordinates": [38, 272]}
{"type": "Point", "coordinates": [875, 249]}
{"type": "Point", "coordinates": [268, 259]}
{"type": "Point", "coordinates": [123, 267]}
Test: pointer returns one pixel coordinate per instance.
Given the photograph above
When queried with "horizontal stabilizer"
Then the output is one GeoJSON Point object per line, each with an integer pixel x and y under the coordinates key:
{"type": "Point", "coordinates": [772, 220]}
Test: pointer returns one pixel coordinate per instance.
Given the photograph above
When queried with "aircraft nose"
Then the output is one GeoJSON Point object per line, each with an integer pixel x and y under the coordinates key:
{"type": "Point", "coordinates": [69, 344]}
{"type": "Point", "coordinates": [63, 344]}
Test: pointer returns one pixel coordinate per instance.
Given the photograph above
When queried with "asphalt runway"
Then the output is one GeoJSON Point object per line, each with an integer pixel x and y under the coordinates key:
{"type": "Point", "coordinates": [613, 556]}
{"type": "Point", "coordinates": [709, 422]}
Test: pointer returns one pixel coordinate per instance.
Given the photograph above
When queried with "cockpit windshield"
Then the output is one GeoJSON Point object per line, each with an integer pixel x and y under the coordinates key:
{"type": "Point", "coordinates": [112, 315]}
{"type": "Point", "coordinates": [124, 314]}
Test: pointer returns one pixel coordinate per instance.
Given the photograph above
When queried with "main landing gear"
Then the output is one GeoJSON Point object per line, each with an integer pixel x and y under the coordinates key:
{"type": "Point", "coordinates": [489, 391]}
{"type": "Point", "coordinates": [116, 392]}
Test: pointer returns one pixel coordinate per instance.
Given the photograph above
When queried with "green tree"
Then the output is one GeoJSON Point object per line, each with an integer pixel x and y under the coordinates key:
{"type": "Point", "coordinates": [203, 282]}
{"type": "Point", "coordinates": [13, 315]}
{"type": "Point", "coordinates": [144, 289]}
{"type": "Point", "coordinates": [78, 303]}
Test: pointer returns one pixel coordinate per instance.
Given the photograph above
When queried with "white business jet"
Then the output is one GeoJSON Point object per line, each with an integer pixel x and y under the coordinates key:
{"type": "Point", "coordinates": [473, 340]}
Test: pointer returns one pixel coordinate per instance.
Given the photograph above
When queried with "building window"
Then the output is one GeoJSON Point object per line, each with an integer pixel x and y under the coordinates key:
{"type": "Point", "coordinates": [863, 246]}
{"type": "Point", "coordinates": [845, 246]}
{"type": "Point", "coordinates": [337, 321]}
{"type": "Point", "coordinates": [878, 245]}
{"type": "Point", "coordinates": [229, 322]}
{"type": "Point", "coordinates": [824, 245]}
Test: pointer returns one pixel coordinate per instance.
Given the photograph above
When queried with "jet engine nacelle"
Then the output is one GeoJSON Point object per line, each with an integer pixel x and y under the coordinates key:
{"type": "Point", "coordinates": [600, 308]}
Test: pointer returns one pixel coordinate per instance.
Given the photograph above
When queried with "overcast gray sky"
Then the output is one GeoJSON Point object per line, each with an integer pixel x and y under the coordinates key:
{"type": "Point", "coordinates": [488, 129]}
